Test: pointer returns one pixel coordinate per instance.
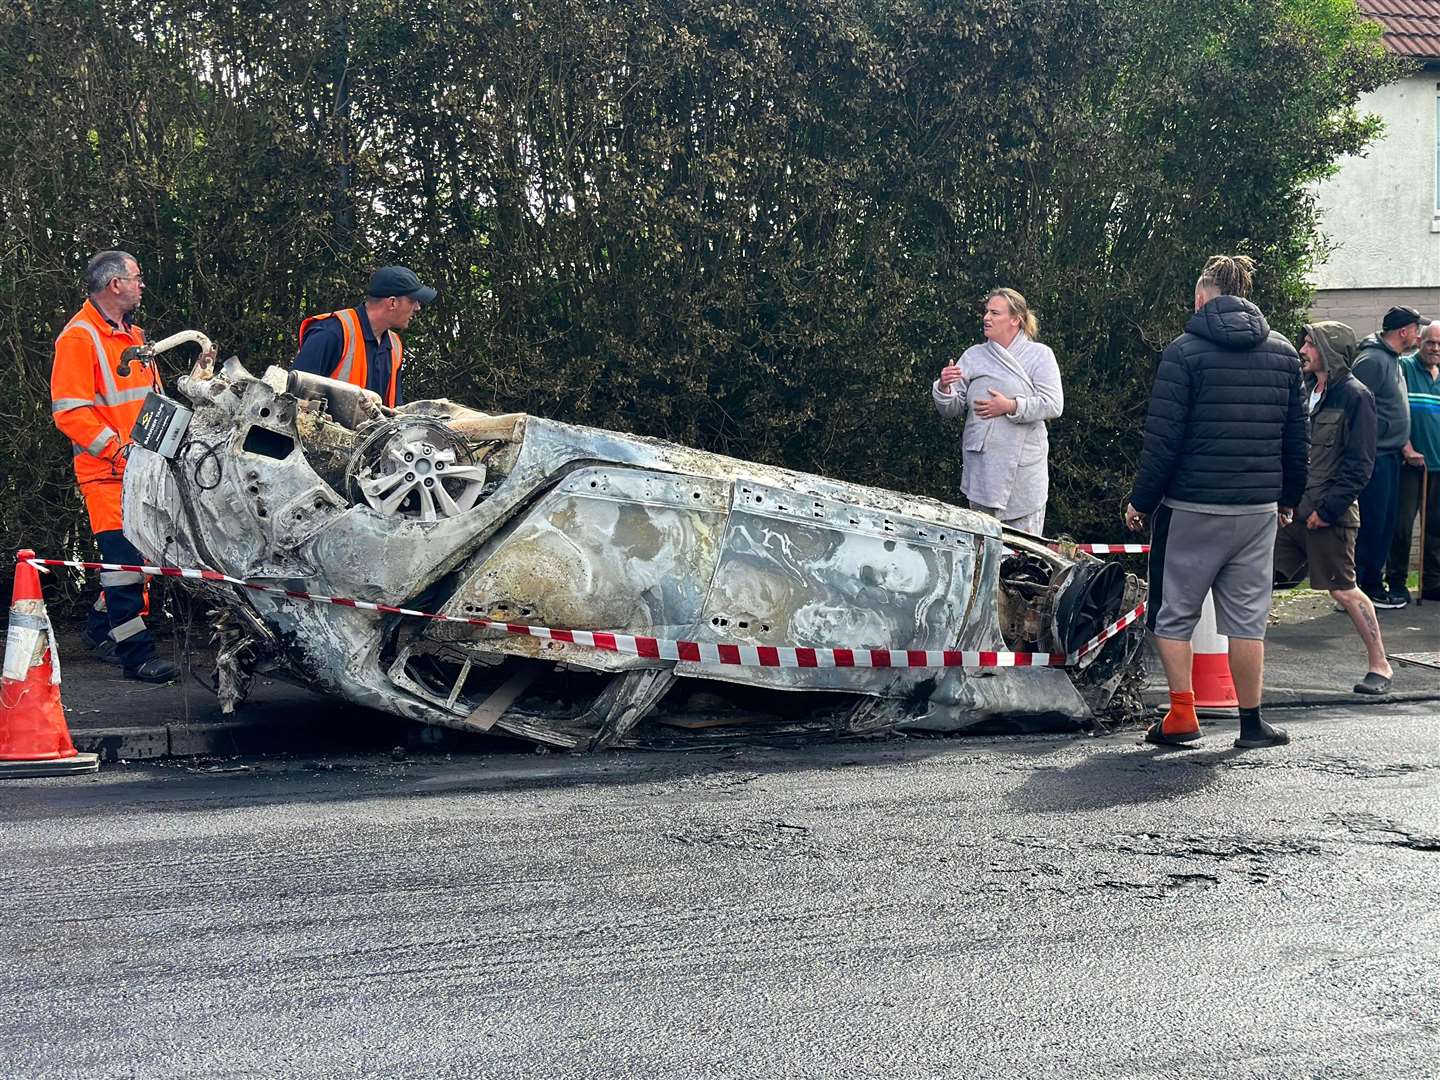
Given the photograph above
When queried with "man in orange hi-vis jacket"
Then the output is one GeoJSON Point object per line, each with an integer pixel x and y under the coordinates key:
{"type": "Point", "coordinates": [95, 407]}
{"type": "Point", "coordinates": [359, 345]}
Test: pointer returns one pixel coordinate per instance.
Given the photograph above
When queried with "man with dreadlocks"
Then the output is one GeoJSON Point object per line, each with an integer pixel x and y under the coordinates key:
{"type": "Point", "coordinates": [1224, 454]}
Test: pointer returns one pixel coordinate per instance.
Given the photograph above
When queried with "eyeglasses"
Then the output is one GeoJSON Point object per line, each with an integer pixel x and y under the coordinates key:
{"type": "Point", "coordinates": [139, 279]}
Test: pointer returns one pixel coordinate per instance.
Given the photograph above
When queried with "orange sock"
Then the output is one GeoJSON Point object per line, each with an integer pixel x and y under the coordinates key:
{"type": "Point", "coordinates": [1181, 718]}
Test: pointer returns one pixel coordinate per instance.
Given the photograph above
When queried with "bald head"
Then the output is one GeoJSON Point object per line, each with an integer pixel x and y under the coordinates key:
{"type": "Point", "coordinates": [1430, 346]}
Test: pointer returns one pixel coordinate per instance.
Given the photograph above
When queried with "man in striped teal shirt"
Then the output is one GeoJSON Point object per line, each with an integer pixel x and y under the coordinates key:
{"type": "Point", "coordinates": [1421, 474]}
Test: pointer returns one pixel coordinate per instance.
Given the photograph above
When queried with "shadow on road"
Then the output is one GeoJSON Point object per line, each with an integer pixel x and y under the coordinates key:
{"type": "Point", "coordinates": [1119, 777]}
{"type": "Point", "coordinates": [187, 785]}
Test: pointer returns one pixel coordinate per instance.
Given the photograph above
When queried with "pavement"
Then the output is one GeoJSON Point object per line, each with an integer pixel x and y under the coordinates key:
{"type": "Point", "coordinates": [1313, 658]}
{"type": "Point", "coordinates": [125, 720]}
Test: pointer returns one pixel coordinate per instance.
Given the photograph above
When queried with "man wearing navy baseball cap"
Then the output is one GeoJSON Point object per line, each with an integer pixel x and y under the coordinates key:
{"type": "Point", "coordinates": [1377, 366]}
{"type": "Point", "coordinates": [359, 345]}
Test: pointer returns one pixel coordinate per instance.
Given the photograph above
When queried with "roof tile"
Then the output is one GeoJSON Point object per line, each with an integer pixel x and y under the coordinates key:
{"type": "Point", "coordinates": [1412, 27]}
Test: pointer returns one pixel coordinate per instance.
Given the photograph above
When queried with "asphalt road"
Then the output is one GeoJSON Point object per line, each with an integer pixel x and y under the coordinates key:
{"type": "Point", "coordinates": [1050, 907]}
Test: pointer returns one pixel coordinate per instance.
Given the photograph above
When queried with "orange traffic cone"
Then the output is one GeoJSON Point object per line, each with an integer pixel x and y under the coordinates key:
{"type": "Point", "coordinates": [34, 739]}
{"type": "Point", "coordinates": [1210, 666]}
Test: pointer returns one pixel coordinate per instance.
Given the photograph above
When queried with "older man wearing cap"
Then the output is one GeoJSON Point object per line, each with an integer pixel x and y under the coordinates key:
{"type": "Point", "coordinates": [359, 345]}
{"type": "Point", "coordinates": [1420, 479]}
{"type": "Point", "coordinates": [1377, 367]}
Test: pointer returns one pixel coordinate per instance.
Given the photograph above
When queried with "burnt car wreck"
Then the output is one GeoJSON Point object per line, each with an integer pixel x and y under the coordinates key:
{"type": "Point", "coordinates": [313, 485]}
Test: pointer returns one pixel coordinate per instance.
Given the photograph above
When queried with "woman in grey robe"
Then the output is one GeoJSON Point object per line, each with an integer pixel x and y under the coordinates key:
{"type": "Point", "coordinates": [1011, 384]}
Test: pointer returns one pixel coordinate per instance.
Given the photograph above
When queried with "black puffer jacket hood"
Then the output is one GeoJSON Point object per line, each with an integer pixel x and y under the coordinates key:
{"type": "Point", "coordinates": [1232, 322]}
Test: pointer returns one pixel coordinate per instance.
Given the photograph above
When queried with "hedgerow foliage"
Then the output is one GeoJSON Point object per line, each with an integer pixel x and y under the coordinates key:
{"type": "Point", "coordinates": [756, 227]}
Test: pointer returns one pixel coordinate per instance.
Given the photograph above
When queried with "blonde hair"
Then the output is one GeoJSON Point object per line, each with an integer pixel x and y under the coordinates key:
{"type": "Point", "coordinates": [1029, 322]}
{"type": "Point", "coordinates": [1227, 275]}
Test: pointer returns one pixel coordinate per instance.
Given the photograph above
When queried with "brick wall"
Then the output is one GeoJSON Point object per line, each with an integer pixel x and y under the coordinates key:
{"type": "Point", "coordinates": [1362, 309]}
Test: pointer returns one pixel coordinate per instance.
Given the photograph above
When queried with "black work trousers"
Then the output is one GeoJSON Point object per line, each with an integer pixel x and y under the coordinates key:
{"type": "Point", "coordinates": [1397, 568]}
{"type": "Point", "coordinates": [123, 594]}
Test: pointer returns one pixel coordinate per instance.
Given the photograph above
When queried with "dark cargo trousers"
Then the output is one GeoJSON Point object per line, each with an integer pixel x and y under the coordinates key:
{"type": "Point", "coordinates": [123, 592]}
{"type": "Point", "coordinates": [1397, 569]}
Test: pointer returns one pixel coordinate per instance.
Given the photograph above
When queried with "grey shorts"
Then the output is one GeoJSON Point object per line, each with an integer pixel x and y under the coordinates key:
{"type": "Point", "coordinates": [1192, 554]}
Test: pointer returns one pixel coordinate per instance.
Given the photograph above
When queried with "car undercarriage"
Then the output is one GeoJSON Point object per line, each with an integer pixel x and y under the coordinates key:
{"type": "Point", "coordinates": [301, 481]}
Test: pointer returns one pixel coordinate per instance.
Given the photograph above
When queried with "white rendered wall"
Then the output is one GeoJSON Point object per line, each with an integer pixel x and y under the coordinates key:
{"type": "Point", "coordinates": [1380, 210]}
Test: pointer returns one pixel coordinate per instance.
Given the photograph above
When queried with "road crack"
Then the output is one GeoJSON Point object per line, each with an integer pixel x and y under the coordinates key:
{"type": "Point", "coordinates": [1372, 829]}
{"type": "Point", "coordinates": [784, 837]}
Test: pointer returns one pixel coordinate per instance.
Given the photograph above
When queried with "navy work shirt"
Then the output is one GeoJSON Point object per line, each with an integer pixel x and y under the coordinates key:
{"type": "Point", "coordinates": [325, 342]}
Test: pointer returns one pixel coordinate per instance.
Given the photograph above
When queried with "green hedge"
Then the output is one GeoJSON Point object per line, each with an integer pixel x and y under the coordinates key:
{"type": "Point", "coordinates": [759, 228]}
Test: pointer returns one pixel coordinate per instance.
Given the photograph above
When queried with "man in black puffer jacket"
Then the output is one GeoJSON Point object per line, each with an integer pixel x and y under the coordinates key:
{"type": "Point", "coordinates": [1225, 453]}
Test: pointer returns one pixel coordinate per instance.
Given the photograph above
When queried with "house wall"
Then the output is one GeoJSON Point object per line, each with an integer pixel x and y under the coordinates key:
{"type": "Point", "coordinates": [1380, 211]}
{"type": "Point", "coordinates": [1362, 309]}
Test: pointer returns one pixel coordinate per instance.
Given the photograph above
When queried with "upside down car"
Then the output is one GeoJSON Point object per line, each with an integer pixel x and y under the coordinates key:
{"type": "Point", "coordinates": [310, 484]}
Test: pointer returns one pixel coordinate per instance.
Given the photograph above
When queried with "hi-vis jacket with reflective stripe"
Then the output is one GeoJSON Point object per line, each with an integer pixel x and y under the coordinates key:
{"type": "Point", "coordinates": [94, 405]}
{"type": "Point", "coordinates": [353, 366]}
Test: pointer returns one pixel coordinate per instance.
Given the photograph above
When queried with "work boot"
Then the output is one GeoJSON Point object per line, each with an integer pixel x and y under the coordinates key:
{"type": "Point", "coordinates": [1180, 724]}
{"type": "Point", "coordinates": [155, 670]}
{"type": "Point", "coordinates": [104, 649]}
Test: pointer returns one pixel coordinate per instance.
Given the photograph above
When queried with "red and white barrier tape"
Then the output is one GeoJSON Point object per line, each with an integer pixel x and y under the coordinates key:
{"type": "Point", "coordinates": [1113, 549]}
{"type": "Point", "coordinates": [782, 656]}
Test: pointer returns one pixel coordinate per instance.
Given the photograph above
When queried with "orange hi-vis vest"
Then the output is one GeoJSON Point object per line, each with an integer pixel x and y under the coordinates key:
{"type": "Point", "coordinates": [95, 406]}
{"type": "Point", "coordinates": [354, 366]}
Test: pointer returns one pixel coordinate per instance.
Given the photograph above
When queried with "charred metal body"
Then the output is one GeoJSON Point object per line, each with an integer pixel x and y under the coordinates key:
{"type": "Point", "coordinates": [299, 481]}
